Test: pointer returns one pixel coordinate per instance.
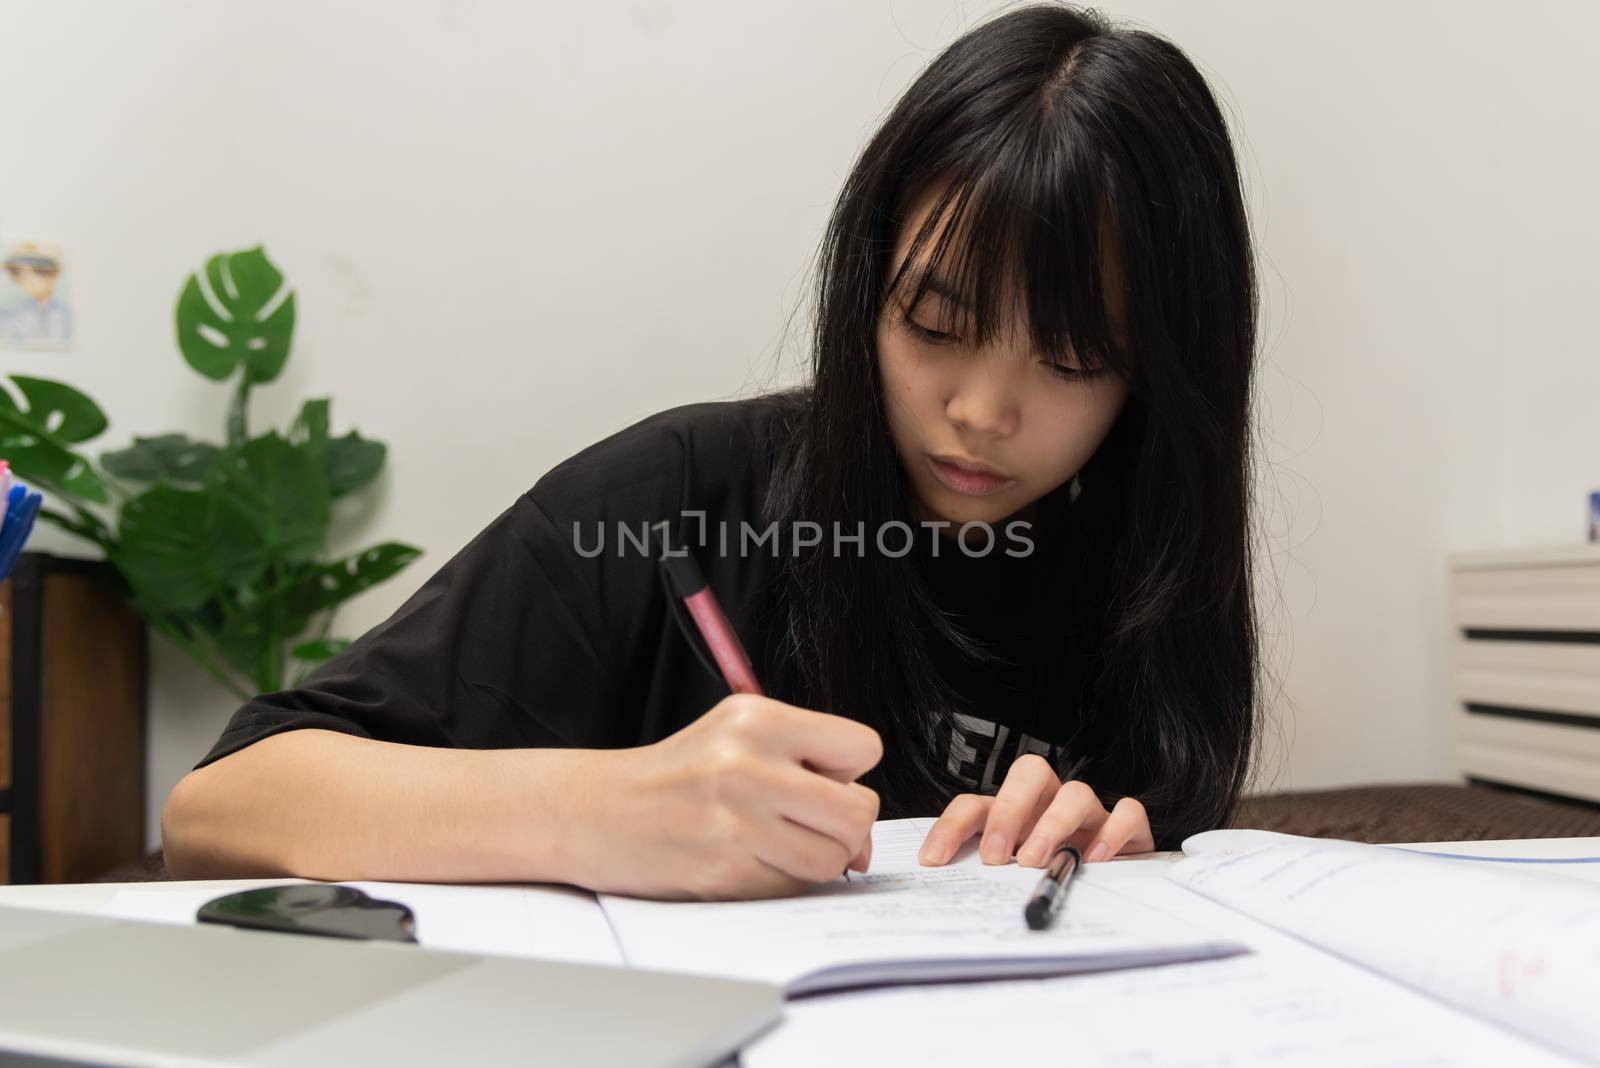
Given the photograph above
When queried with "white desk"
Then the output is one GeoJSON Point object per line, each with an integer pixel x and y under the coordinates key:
{"type": "Point", "coordinates": [1237, 1011]}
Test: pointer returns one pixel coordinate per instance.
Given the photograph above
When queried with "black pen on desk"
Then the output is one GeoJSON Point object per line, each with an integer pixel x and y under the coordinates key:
{"type": "Point", "coordinates": [1051, 892]}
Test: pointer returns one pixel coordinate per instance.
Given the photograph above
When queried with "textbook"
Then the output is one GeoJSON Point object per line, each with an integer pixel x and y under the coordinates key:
{"type": "Point", "coordinates": [903, 923]}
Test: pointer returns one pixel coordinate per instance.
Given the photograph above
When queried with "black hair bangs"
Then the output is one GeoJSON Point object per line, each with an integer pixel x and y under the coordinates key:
{"type": "Point", "coordinates": [1026, 238]}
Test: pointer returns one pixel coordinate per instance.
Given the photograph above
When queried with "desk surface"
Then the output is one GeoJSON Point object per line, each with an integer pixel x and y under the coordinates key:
{"type": "Point", "coordinates": [94, 897]}
{"type": "Point", "coordinates": [1236, 1011]}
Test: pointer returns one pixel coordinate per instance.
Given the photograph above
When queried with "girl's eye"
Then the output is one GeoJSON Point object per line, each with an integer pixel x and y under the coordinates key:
{"type": "Point", "coordinates": [941, 337]}
{"type": "Point", "coordinates": [932, 337]}
{"type": "Point", "coordinates": [1074, 374]}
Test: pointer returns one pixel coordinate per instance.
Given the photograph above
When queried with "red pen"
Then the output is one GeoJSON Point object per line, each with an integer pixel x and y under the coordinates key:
{"type": "Point", "coordinates": [684, 580]}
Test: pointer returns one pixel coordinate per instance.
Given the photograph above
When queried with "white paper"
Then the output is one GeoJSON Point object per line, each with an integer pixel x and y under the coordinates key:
{"type": "Point", "coordinates": [1286, 1004]}
{"type": "Point", "coordinates": [543, 922]}
{"type": "Point", "coordinates": [904, 922]}
{"type": "Point", "coordinates": [1242, 1011]}
{"type": "Point", "coordinates": [1519, 949]}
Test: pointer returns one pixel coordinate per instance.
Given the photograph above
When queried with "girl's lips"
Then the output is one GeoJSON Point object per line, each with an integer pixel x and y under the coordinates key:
{"type": "Point", "coordinates": [969, 483]}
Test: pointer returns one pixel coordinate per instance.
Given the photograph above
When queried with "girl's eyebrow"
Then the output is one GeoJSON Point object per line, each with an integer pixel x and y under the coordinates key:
{"type": "Point", "coordinates": [936, 284]}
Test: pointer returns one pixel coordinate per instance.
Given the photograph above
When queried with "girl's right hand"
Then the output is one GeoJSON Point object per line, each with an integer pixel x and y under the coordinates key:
{"type": "Point", "coordinates": [756, 798]}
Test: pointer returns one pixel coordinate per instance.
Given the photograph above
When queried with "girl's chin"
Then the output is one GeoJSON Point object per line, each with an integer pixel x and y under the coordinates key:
{"type": "Point", "coordinates": [955, 509]}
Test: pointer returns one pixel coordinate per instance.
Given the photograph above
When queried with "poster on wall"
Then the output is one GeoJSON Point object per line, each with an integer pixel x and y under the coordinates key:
{"type": "Point", "coordinates": [36, 308]}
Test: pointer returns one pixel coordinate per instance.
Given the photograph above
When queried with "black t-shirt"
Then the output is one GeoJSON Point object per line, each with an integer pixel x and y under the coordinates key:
{"type": "Point", "coordinates": [551, 627]}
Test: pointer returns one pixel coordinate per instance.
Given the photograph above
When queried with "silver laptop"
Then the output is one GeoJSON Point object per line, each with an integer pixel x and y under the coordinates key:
{"type": "Point", "coordinates": [78, 989]}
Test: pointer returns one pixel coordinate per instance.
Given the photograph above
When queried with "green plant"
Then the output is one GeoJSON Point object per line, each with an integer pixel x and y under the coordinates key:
{"type": "Point", "coordinates": [219, 545]}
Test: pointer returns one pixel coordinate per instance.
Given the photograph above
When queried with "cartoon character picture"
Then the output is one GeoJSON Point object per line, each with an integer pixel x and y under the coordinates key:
{"type": "Point", "coordinates": [35, 306]}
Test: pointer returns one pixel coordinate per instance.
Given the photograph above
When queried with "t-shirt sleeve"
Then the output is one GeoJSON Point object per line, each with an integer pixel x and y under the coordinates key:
{"type": "Point", "coordinates": [502, 647]}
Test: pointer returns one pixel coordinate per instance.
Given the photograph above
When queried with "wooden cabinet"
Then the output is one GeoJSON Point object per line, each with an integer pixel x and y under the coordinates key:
{"type": "Point", "coordinates": [1527, 669]}
{"type": "Point", "coordinates": [72, 722]}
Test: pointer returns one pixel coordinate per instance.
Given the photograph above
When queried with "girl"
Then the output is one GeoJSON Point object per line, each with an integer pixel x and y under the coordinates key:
{"type": "Point", "coordinates": [992, 560]}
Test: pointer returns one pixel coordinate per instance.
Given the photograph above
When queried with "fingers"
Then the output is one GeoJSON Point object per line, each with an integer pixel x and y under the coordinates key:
{"type": "Point", "coordinates": [1029, 785]}
{"type": "Point", "coordinates": [834, 746]}
{"type": "Point", "coordinates": [961, 820]}
{"type": "Point", "coordinates": [802, 853]}
{"type": "Point", "coordinates": [1027, 790]}
{"type": "Point", "coordinates": [844, 811]}
{"type": "Point", "coordinates": [860, 861]}
{"type": "Point", "coordinates": [1127, 829]}
{"type": "Point", "coordinates": [1075, 809]}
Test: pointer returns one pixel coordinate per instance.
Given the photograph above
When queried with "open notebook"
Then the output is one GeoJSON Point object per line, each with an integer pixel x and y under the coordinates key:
{"type": "Point", "coordinates": [903, 923]}
{"type": "Point", "coordinates": [1361, 955]}
{"type": "Point", "coordinates": [1517, 949]}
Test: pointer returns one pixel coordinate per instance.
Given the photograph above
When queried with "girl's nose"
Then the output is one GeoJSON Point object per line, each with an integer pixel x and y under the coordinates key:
{"type": "Point", "coordinates": [985, 398]}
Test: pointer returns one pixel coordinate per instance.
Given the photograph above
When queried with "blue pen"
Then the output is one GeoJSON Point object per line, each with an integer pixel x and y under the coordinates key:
{"type": "Point", "coordinates": [21, 509]}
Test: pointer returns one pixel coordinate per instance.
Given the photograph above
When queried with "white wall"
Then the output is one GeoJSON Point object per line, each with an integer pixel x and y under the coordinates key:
{"type": "Point", "coordinates": [515, 228]}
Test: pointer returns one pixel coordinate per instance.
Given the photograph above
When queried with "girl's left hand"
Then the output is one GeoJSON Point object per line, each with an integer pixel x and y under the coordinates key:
{"type": "Point", "coordinates": [1036, 809]}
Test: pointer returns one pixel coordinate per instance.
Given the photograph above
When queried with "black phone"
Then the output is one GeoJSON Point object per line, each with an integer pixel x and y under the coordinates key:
{"type": "Point", "coordinates": [326, 909]}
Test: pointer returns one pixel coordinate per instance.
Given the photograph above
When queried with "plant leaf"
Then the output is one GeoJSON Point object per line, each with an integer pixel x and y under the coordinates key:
{"type": "Point", "coordinates": [310, 427]}
{"type": "Point", "coordinates": [245, 637]}
{"type": "Point", "coordinates": [234, 327]}
{"type": "Point", "coordinates": [164, 458]}
{"type": "Point", "coordinates": [68, 415]}
{"type": "Point", "coordinates": [324, 586]}
{"type": "Point", "coordinates": [352, 462]}
{"type": "Point", "coordinates": [322, 649]}
{"type": "Point", "coordinates": [38, 439]}
{"type": "Point", "coordinates": [179, 547]}
{"type": "Point", "coordinates": [343, 579]}
{"type": "Point", "coordinates": [280, 488]}
{"type": "Point", "coordinates": [261, 619]}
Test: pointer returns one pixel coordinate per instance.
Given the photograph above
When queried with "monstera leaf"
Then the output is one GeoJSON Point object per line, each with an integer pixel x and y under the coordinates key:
{"type": "Point", "coordinates": [232, 320]}
{"type": "Point", "coordinates": [250, 637]}
{"type": "Point", "coordinates": [281, 488]}
{"type": "Point", "coordinates": [353, 461]}
{"type": "Point", "coordinates": [37, 436]}
{"type": "Point", "coordinates": [314, 588]}
{"type": "Point", "coordinates": [349, 462]}
{"type": "Point", "coordinates": [181, 548]}
{"type": "Point", "coordinates": [164, 458]}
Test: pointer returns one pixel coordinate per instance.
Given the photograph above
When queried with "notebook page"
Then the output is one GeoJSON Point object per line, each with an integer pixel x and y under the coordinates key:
{"type": "Point", "coordinates": [1519, 949]}
{"type": "Point", "coordinates": [1286, 1004]}
{"type": "Point", "coordinates": [1241, 1012]}
{"type": "Point", "coordinates": [903, 922]}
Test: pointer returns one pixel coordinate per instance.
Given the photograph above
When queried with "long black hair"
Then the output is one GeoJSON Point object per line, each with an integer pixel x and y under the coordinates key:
{"type": "Point", "coordinates": [1058, 144]}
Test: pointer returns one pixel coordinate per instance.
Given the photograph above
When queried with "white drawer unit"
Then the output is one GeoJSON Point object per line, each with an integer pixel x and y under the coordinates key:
{"type": "Point", "coordinates": [1526, 638]}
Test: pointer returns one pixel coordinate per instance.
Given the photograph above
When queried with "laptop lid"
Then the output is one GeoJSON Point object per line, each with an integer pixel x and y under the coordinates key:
{"type": "Point", "coordinates": [113, 991]}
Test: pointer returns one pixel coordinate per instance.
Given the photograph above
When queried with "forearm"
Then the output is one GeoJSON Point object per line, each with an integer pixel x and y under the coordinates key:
{"type": "Point", "coordinates": [323, 805]}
